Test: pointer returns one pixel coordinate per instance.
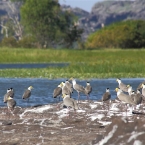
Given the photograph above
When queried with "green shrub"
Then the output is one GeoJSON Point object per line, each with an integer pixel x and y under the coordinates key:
{"type": "Point", "coordinates": [125, 34]}
{"type": "Point", "coordinates": [27, 42]}
{"type": "Point", "coordinates": [9, 42]}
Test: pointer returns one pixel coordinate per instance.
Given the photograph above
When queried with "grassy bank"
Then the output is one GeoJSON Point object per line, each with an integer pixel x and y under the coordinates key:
{"type": "Point", "coordinates": [83, 64]}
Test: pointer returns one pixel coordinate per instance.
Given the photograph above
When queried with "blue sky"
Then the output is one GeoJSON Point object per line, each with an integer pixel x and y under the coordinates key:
{"type": "Point", "coordinates": [84, 4]}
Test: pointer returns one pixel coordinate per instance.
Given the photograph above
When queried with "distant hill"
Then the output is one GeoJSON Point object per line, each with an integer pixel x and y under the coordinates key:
{"type": "Point", "coordinates": [105, 13]}
{"type": "Point", "coordinates": [77, 11]}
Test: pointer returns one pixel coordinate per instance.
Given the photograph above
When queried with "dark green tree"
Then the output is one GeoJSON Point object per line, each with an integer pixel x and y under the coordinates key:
{"type": "Point", "coordinates": [47, 22]}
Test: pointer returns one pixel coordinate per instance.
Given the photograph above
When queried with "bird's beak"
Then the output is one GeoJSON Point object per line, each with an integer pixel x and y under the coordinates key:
{"type": "Point", "coordinates": [61, 84]}
{"type": "Point", "coordinates": [116, 89]}
{"type": "Point", "coordinates": [70, 79]}
{"type": "Point", "coordinates": [63, 95]}
{"type": "Point", "coordinates": [128, 86]}
{"type": "Point", "coordinates": [9, 98]}
{"type": "Point", "coordinates": [31, 87]}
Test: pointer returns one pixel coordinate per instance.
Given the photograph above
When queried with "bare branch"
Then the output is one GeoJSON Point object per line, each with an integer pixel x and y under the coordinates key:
{"type": "Point", "coordinates": [18, 28]}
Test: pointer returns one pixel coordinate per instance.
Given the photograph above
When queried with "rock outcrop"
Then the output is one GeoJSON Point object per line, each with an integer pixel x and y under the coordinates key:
{"type": "Point", "coordinates": [102, 13]}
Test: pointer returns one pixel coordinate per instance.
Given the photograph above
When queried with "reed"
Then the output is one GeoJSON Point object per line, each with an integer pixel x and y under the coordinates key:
{"type": "Point", "coordinates": [83, 63]}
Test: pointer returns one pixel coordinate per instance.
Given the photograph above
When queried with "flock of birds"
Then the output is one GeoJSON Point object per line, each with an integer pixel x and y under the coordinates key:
{"type": "Point", "coordinates": [125, 94]}
{"type": "Point", "coordinates": [9, 97]}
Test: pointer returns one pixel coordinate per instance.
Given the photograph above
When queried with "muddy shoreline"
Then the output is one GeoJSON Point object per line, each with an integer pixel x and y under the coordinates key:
{"type": "Point", "coordinates": [92, 124]}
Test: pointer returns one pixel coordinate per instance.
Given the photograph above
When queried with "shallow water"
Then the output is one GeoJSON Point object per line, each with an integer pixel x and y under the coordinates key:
{"type": "Point", "coordinates": [43, 89]}
{"type": "Point", "coordinates": [32, 65]}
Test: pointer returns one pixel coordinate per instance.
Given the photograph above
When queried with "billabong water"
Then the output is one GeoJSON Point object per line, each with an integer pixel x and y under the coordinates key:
{"type": "Point", "coordinates": [43, 89]}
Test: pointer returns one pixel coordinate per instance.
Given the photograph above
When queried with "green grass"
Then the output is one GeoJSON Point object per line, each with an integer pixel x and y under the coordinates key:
{"type": "Point", "coordinates": [111, 63]}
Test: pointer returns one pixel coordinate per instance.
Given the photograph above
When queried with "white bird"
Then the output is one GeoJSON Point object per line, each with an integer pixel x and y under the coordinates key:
{"type": "Point", "coordinates": [65, 89]}
{"type": "Point", "coordinates": [69, 102]}
{"type": "Point", "coordinates": [57, 91]}
{"type": "Point", "coordinates": [10, 93]}
{"type": "Point", "coordinates": [78, 88]}
{"type": "Point", "coordinates": [122, 86]}
{"type": "Point", "coordinates": [88, 89]}
{"type": "Point", "coordinates": [137, 97]}
{"type": "Point", "coordinates": [124, 97]}
{"type": "Point", "coordinates": [11, 103]}
{"type": "Point", "coordinates": [140, 85]}
{"type": "Point", "coordinates": [27, 93]}
{"type": "Point", "coordinates": [143, 89]}
{"type": "Point", "coordinates": [106, 96]}
{"type": "Point", "coordinates": [129, 87]}
{"type": "Point", "coordinates": [69, 86]}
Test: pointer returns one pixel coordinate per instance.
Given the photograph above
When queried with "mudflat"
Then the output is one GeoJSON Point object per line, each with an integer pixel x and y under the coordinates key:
{"type": "Point", "coordinates": [93, 124]}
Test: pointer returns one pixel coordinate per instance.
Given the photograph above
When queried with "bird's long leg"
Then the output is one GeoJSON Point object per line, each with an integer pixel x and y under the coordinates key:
{"type": "Point", "coordinates": [141, 107]}
{"type": "Point", "coordinates": [27, 102]}
{"type": "Point", "coordinates": [103, 104]}
{"type": "Point", "coordinates": [56, 100]}
{"type": "Point", "coordinates": [58, 106]}
{"type": "Point", "coordinates": [78, 97]}
{"type": "Point", "coordinates": [9, 113]}
{"type": "Point", "coordinates": [68, 113]}
{"type": "Point", "coordinates": [126, 110]}
{"type": "Point", "coordinates": [6, 110]}
{"type": "Point", "coordinates": [134, 108]}
{"type": "Point", "coordinates": [109, 106]}
{"type": "Point", "coordinates": [88, 97]}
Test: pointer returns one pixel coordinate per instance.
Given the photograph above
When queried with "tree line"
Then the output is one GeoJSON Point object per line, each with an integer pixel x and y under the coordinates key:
{"type": "Point", "coordinates": [44, 24]}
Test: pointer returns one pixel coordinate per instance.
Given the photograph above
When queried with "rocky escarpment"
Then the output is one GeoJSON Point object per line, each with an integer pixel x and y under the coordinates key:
{"type": "Point", "coordinates": [103, 13]}
{"type": "Point", "coordinates": [107, 12]}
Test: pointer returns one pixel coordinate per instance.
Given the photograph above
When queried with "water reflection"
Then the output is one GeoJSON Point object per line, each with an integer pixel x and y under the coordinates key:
{"type": "Point", "coordinates": [43, 89]}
